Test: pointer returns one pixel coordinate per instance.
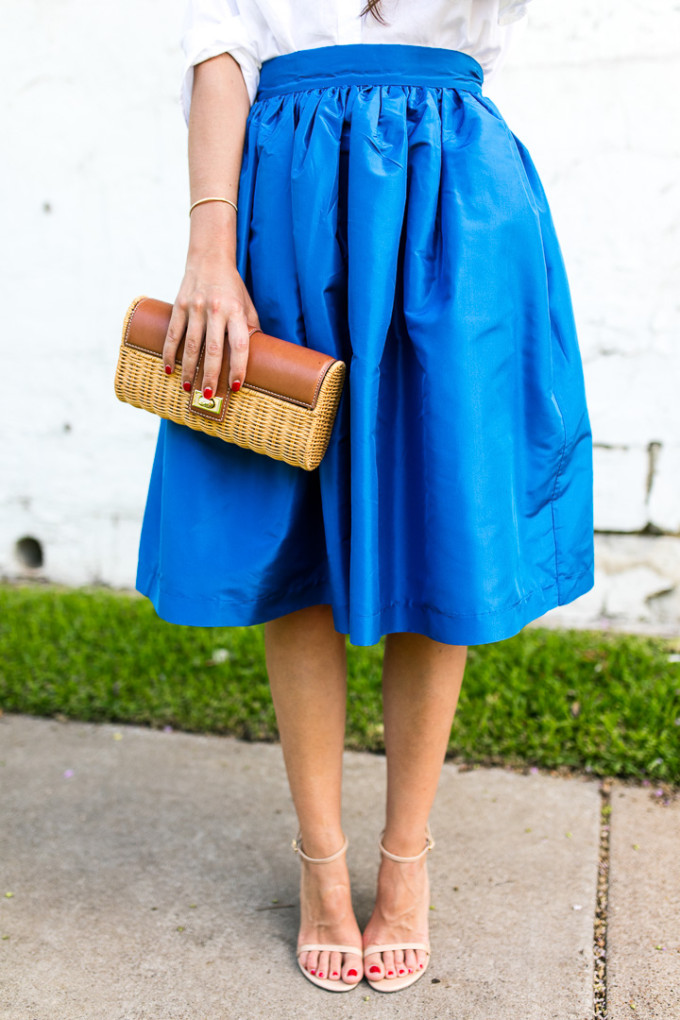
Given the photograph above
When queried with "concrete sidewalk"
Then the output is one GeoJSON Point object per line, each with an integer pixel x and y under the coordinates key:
{"type": "Point", "coordinates": [151, 878]}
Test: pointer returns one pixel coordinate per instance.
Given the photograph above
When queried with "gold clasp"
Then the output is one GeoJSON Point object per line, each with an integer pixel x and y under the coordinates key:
{"type": "Point", "coordinates": [214, 405]}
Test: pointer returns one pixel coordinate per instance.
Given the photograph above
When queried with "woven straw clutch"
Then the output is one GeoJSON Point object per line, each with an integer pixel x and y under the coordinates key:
{"type": "Point", "coordinates": [285, 408]}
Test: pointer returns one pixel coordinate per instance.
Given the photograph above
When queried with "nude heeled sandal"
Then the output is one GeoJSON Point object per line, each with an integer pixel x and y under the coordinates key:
{"type": "Point", "coordinates": [330, 986]}
{"type": "Point", "coordinates": [396, 984]}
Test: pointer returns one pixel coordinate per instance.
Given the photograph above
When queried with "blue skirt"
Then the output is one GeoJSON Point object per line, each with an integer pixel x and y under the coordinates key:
{"type": "Point", "coordinates": [389, 217]}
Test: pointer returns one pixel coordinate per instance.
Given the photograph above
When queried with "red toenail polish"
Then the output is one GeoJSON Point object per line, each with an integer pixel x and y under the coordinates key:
{"type": "Point", "coordinates": [186, 387]}
{"type": "Point", "coordinates": [334, 974]}
{"type": "Point", "coordinates": [351, 973]}
{"type": "Point", "coordinates": [410, 970]}
{"type": "Point", "coordinates": [374, 970]}
{"type": "Point", "coordinates": [312, 972]}
{"type": "Point", "coordinates": [389, 973]}
{"type": "Point", "coordinates": [236, 385]}
{"type": "Point", "coordinates": [168, 370]}
{"type": "Point", "coordinates": [207, 392]}
{"type": "Point", "coordinates": [320, 973]}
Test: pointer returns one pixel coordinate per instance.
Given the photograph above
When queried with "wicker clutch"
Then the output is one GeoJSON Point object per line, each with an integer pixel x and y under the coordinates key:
{"type": "Point", "coordinates": [285, 408]}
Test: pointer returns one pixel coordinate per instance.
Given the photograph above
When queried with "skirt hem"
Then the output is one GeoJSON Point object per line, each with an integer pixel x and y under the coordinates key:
{"type": "Point", "coordinates": [484, 628]}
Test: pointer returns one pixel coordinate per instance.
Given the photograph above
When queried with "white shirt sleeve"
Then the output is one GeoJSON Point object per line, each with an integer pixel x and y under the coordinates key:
{"type": "Point", "coordinates": [212, 27]}
{"type": "Point", "coordinates": [255, 30]}
{"type": "Point", "coordinates": [511, 10]}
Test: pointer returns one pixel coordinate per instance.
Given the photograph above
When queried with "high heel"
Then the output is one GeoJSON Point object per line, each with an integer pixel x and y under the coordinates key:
{"type": "Point", "coordinates": [396, 984]}
{"type": "Point", "coordinates": [330, 986]}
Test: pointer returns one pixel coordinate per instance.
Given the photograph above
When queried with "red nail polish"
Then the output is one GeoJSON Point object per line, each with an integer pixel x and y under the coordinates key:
{"type": "Point", "coordinates": [168, 370]}
{"type": "Point", "coordinates": [390, 973]}
{"type": "Point", "coordinates": [320, 973]}
{"type": "Point", "coordinates": [374, 970]}
{"type": "Point", "coordinates": [410, 970]}
{"type": "Point", "coordinates": [186, 387]}
{"type": "Point", "coordinates": [207, 392]}
{"type": "Point", "coordinates": [402, 971]}
{"type": "Point", "coordinates": [351, 973]}
{"type": "Point", "coordinates": [312, 972]}
{"type": "Point", "coordinates": [334, 974]}
{"type": "Point", "coordinates": [236, 385]}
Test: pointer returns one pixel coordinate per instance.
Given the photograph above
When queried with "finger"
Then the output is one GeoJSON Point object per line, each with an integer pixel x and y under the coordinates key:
{"type": "Point", "coordinates": [251, 314]}
{"type": "Point", "coordinates": [173, 337]}
{"type": "Point", "coordinates": [214, 347]}
{"type": "Point", "coordinates": [239, 345]}
{"type": "Point", "coordinates": [193, 341]}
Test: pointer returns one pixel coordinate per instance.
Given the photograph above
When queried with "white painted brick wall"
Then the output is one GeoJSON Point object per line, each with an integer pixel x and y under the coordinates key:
{"type": "Point", "coordinates": [93, 186]}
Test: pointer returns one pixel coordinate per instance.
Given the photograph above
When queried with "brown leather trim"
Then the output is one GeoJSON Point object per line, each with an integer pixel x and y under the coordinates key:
{"type": "Point", "coordinates": [148, 327]}
{"type": "Point", "coordinates": [279, 367]}
{"type": "Point", "coordinates": [303, 403]}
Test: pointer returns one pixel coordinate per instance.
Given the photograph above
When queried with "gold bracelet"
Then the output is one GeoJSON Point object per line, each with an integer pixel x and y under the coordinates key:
{"type": "Point", "coordinates": [202, 200]}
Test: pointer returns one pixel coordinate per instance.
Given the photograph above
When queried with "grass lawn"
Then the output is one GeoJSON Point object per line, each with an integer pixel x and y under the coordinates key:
{"type": "Point", "coordinates": [601, 702]}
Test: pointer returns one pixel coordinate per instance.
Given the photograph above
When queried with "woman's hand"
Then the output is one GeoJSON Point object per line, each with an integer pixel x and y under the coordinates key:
{"type": "Point", "coordinates": [214, 302]}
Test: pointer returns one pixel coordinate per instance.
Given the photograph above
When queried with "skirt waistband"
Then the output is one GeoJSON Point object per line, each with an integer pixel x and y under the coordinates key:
{"type": "Point", "coordinates": [369, 64]}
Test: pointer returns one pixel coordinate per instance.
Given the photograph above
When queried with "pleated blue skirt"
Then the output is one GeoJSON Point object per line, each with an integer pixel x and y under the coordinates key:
{"type": "Point", "coordinates": [388, 216]}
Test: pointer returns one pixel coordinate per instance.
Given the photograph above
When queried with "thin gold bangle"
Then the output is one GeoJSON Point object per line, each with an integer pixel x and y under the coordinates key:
{"type": "Point", "coordinates": [202, 200]}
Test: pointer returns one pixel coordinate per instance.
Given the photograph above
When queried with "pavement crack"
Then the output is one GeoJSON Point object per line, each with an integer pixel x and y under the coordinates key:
{"type": "Point", "coordinates": [277, 906]}
{"type": "Point", "coordinates": [602, 906]}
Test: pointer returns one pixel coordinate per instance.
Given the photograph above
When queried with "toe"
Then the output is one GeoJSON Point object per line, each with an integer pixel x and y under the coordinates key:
{"type": "Point", "coordinates": [410, 961]}
{"type": "Point", "coordinates": [399, 962]}
{"type": "Point", "coordinates": [373, 967]}
{"type": "Point", "coordinates": [334, 965]}
{"type": "Point", "coordinates": [352, 970]}
{"type": "Point", "coordinates": [322, 965]}
{"type": "Point", "coordinates": [389, 965]}
{"type": "Point", "coordinates": [421, 958]}
{"type": "Point", "coordinates": [311, 962]}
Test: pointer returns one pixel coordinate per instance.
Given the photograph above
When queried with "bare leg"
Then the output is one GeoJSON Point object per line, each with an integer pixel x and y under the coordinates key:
{"type": "Point", "coordinates": [307, 666]}
{"type": "Point", "coordinates": [421, 684]}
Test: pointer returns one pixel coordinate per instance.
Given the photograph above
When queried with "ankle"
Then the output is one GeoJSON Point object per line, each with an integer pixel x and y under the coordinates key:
{"type": "Point", "coordinates": [320, 844]}
{"type": "Point", "coordinates": [406, 843]}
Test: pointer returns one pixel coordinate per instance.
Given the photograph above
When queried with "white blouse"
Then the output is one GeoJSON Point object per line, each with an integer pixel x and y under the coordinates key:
{"type": "Point", "coordinates": [252, 31]}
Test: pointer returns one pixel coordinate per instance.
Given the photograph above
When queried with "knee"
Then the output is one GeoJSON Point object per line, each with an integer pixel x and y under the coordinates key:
{"type": "Point", "coordinates": [319, 617]}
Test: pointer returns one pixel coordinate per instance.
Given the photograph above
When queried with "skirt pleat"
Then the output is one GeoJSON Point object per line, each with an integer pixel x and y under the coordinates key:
{"type": "Point", "coordinates": [388, 216]}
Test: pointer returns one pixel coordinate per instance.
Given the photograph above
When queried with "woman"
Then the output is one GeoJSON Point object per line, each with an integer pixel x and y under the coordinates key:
{"type": "Point", "coordinates": [354, 190]}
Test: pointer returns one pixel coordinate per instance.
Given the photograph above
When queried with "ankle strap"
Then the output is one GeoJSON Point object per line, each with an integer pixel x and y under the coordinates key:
{"type": "Point", "coordinates": [297, 848]}
{"type": "Point", "coordinates": [429, 845]}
